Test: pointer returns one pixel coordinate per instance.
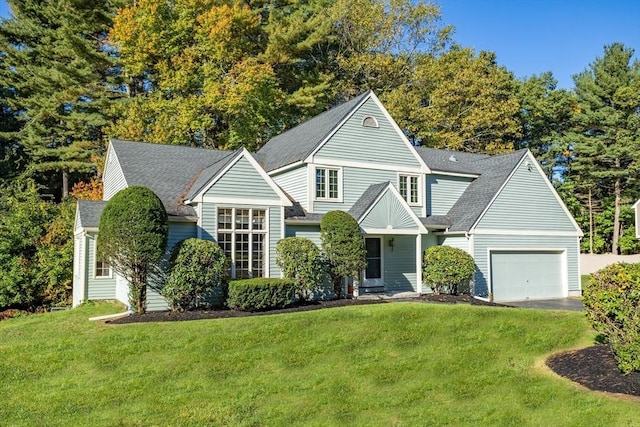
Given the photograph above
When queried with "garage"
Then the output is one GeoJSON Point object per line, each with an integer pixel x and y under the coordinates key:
{"type": "Point", "coordinates": [520, 275]}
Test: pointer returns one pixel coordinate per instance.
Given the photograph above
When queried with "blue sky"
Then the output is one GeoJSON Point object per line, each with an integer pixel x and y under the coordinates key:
{"type": "Point", "coordinates": [534, 36]}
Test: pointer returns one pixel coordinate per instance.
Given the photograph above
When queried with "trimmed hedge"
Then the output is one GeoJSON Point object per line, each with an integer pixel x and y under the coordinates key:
{"type": "Point", "coordinates": [612, 304]}
{"type": "Point", "coordinates": [446, 268]}
{"type": "Point", "coordinates": [260, 294]}
{"type": "Point", "coordinates": [301, 261]}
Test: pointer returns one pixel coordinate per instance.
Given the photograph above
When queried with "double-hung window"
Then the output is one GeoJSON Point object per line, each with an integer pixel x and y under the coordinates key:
{"type": "Point", "coordinates": [410, 188]}
{"type": "Point", "coordinates": [242, 236]}
{"type": "Point", "coordinates": [327, 183]}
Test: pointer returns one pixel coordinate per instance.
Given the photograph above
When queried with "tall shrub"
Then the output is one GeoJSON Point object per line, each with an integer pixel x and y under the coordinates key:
{"type": "Point", "coordinates": [446, 268]}
{"type": "Point", "coordinates": [196, 269]}
{"type": "Point", "coordinates": [300, 260]}
{"type": "Point", "coordinates": [344, 247]}
{"type": "Point", "coordinates": [612, 305]}
{"type": "Point", "coordinates": [133, 237]}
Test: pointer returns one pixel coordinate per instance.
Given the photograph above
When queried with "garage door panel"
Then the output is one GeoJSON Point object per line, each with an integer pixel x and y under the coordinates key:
{"type": "Point", "coordinates": [519, 275]}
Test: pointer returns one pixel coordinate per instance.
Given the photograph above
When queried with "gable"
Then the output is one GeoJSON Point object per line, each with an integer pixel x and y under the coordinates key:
{"type": "Point", "coordinates": [242, 182]}
{"type": "Point", "coordinates": [443, 192]}
{"type": "Point", "coordinates": [358, 141]}
{"type": "Point", "coordinates": [528, 202]}
{"type": "Point", "coordinates": [113, 178]}
{"type": "Point", "coordinates": [389, 213]}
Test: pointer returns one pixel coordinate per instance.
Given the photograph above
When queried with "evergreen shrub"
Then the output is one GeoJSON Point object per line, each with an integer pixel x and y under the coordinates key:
{"type": "Point", "coordinates": [446, 268]}
{"type": "Point", "coordinates": [261, 294]}
{"type": "Point", "coordinates": [197, 271]}
{"type": "Point", "coordinates": [301, 261]}
{"type": "Point", "coordinates": [612, 304]}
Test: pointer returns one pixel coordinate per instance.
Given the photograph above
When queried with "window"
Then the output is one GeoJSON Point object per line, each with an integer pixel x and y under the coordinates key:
{"type": "Point", "coordinates": [103, 270]}
{"type": "Point", "coordinates": [327, 184]}
{"type": "Point", "coordinates": [409, 189]}
{"type": "Point", "coordinates": [370, 122]}
{"type": "Point", "coordinates": [241, 235]}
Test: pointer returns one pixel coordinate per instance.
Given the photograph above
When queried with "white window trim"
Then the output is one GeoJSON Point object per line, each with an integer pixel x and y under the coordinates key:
{"type": "Point", "coordinates": [377, 125]}
{"type": "Point", "coordinates": [233, 231]}
{"type": "Point", "coordinates": [95, 270]}
{"type": "Point", "coordinates": [421, 188]}
{"type": "Point", "coordinates": [340, 184]}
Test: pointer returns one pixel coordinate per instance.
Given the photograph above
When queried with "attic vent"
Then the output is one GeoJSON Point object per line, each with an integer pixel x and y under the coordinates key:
{"type": "Point", "coordinates": [453, 158]}
{"type": "Point", "coordinates": [370, 122]}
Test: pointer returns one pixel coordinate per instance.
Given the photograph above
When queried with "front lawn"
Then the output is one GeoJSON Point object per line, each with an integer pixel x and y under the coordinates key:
{"type": "Point", "coordinates": [383, 364]}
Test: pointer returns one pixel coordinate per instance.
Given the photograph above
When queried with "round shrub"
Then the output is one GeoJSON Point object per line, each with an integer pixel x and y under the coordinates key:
{"type": "Point", "coordinates": [612, 304]}
{"type": "Point", "coordinates": [197, 270]}
{"type": "Point", "coordinates": [446, 268]}
{"type": "Point", "coordinates": [260, 294]}
{"type": "Point", "coordinates": [300, 260]}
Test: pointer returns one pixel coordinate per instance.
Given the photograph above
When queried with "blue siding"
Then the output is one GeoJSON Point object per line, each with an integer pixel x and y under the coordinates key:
{"type": "Point", "coordinates": [460, 242]}
{"type": "Point", "coordinates": [179, 231]}
{"type": "Point", "coordinates": [443, 192]}
{"type": "Point", "coordinates": [209, 222]}
{"type": "Point", "coordinates": [113, 177]}
{"type": "Point", "coordinates": [400, 264]}
{"type": "Point", "coordinates": [311, 232]}
{"type": "Point", "coordinates": [483, 242]}
{"type": "Point", "coordinates": [275, 234]}
{"type": "Point", "coordinates": [369, 145]}
{"type": "Point", "coordinates": [526, 203]}
{"type": "Point", "coordinates": [242, 181]}
{"type": "Point", "coordinates": [97, 288]}
{"type": "Point", "coordinates": [355, 182]}
{"type": "Point", "coordinates": [294, 182]}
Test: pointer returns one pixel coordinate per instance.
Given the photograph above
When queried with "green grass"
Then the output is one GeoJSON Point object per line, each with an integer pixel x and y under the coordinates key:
{"type": "Point", "coordinates": [386, 364]}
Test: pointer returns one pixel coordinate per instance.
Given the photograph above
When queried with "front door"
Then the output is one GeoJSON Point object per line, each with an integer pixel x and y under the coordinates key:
{"type": "Point", "coordinates": [373, 272]}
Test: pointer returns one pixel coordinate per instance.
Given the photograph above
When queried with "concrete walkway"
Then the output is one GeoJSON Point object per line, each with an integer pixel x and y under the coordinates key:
{"type": "Point", "coordinates": [573, 304]}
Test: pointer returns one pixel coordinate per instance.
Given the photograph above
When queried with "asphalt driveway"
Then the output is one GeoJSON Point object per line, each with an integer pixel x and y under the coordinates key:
{"type": "Point", "coordinates": [573, 304]}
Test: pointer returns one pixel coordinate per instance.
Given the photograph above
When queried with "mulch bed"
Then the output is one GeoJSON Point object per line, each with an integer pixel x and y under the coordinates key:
{"type": "Point", "coordinates": [595, 368]}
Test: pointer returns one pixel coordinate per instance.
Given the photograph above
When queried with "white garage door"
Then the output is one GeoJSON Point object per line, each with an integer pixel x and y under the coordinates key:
{"type": "Point", "coordinates": [520, 275]}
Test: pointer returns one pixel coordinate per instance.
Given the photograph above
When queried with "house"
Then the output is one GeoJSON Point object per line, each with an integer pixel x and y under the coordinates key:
{"type": "Point", "coordinates": [500, 209]}
{"type": "Point", "coordinates": [636, 207]}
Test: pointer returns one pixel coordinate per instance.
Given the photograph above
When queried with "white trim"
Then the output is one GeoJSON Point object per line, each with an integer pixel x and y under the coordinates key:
{"type": "Point", "coordinates": [459, 174]}
{"type": "Point", "coordinates": [564, 267]}
{"type": "Point", "coordinates": [390, 187]}
{"type": "Point", "coordinates": [199, 223]}
{"type": "Point", "coordinates": [421, 187]}
{"type": "Point", "coordinates": [240, 201]}
{"type": "Point", "coordinates": [529, 156]}
{"type": "Point", "coordinates": [636, 207]}
{"type": "Point", "coordinates": [286, 168]}
{"type": "Point", "coordinates": [327, 168]}
{"type": "Point", "coordinates": [293, 221]}
{"type": "Point", "coordinates": [107, 169]}
{"type": "Point", "coordinates": [506, 232]}
{"type": "Point", "coordinates": [390, 231]}
{"type": "Point", "coordinates": [95, 267]}
{"type": "Point", "coordinates": [367, 165]}
{"type": "Point", "coordinates": [419, 263]}
{"type": "Point", "coordinates": [243, 153]}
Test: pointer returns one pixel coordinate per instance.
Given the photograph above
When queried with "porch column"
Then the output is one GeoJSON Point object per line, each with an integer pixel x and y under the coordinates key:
{"type": "Point", "coordinates": [419, 262]}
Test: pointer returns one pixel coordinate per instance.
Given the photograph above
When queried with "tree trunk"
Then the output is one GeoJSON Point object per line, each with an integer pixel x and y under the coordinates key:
{"type": "Point", "coordinates": [590, 223]}
{"type": "Point", "coordinates": [616, 219]}
{"type": "Point", "coordinates": [65, 184]}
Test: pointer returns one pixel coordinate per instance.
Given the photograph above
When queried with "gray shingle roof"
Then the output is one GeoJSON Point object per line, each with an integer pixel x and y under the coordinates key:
{"type": "Point", "coordinates": [494, 172]}
{"type": "Point", "coordinates": [366, 200]}
{"type": "Point", "coordinates": [297, 143]}
{"type": "Point", "coordinates": [168, 170]}
{"type": "Point", "coordinates": [89, 212]}
{"type": "Point", "coordinates": [450, 161]}
{"type": "Point", "coordinates": [296, 212]}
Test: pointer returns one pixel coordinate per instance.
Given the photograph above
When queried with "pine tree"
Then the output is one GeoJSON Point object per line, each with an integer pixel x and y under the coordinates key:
{"type": "Point", "coordinates": [60, 71]}
{"type": "Point", "coordinates": [606, 136]}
